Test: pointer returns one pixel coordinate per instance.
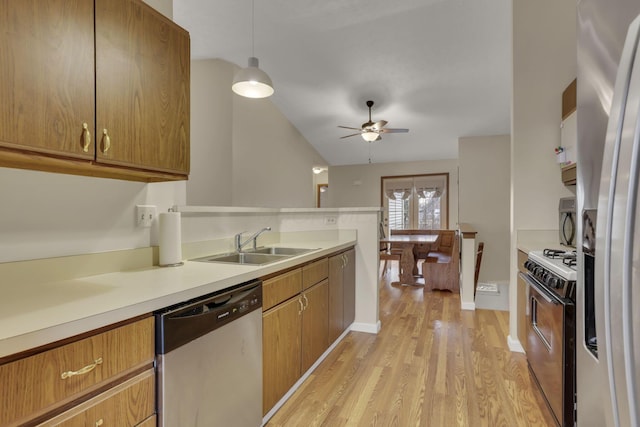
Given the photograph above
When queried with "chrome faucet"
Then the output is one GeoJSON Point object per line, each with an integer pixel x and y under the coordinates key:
{"type": "Point", "coordinates": [254, 237]}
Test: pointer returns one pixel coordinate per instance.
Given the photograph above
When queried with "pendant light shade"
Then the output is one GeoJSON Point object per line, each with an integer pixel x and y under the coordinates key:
{"type": "Point", "coordinates": [252, 82]}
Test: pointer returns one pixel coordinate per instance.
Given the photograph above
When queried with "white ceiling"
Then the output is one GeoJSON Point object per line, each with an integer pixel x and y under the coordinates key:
{"type": "Point", "coordinates": [441, 68]}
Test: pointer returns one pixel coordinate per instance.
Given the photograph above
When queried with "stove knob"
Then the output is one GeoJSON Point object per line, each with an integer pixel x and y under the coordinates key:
{"type": "Point", "coordinates": [554, 283]}
{"type": "Point", "coordinates": [527, 265]}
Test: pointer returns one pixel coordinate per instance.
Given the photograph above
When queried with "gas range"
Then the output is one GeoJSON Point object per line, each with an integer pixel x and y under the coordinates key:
{"type": "Point", "coordinates": [555, 269]}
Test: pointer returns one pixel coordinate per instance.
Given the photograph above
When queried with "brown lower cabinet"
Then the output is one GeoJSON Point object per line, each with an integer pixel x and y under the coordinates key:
{"type": "Point", "coordinates": [298, 311]}
{"type": "Point", "coordinates": [342, 292]}
{"type": "Point", "coordinates": [128, 404]}
{"type": "Point", "coordinates": [107, 375]}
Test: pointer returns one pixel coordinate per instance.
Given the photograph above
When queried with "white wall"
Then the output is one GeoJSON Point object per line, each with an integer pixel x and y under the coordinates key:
{"type": "Point", "coordinates": [544, 63]}
{"type": "Point", "coordinates": [359, 185]}
{"type": "Point", "coordinates": [484, 199]}
{"type": "Point", "coordinates": [244, 151]}
{"type": "Point", "coordinates": [211, 133]}
{"type": "Point", "coordinates": [272, 161]}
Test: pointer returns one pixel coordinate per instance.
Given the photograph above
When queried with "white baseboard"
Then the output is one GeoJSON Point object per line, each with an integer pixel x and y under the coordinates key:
{"type": "Point", "coordinates": [370, 328]}
{"type": "Point", "coordinates": [468, 305]}
{"type": "Point", "coordinates": [515, 345]}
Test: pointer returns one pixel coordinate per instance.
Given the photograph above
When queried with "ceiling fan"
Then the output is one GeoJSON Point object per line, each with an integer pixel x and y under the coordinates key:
{"type": "Point", "coordinates": [371, 131]}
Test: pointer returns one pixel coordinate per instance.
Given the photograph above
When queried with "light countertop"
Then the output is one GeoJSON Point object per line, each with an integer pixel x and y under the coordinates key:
{"type": "Point", "coordinates": [35, 314]}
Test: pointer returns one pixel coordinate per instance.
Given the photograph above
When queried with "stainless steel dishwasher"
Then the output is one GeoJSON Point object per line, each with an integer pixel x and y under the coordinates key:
{"type": "Point", "coordinates": [209, 359]}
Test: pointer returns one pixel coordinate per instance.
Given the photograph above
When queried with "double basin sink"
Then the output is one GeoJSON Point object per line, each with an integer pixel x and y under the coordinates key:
{"type": "Point", "coordinates": [258, 256]}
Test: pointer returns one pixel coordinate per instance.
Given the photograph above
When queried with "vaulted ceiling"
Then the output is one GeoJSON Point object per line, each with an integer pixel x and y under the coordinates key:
{"type": "Point", "coordinates": [441, 68]}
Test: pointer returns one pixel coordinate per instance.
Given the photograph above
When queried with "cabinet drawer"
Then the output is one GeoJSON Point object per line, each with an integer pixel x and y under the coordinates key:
{"type": "Point", "coordinates": [128, 404]}
{"type": "Point", "coordinates": [32, 386]}
{"type": "Point", "coordinates": [281, 288]}
{"type": "Point", "coordinates": [315, 272]}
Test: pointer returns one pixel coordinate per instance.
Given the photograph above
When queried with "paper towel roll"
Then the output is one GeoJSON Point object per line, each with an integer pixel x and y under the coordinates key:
{"type": "Point", "coordinates": [170, 240]}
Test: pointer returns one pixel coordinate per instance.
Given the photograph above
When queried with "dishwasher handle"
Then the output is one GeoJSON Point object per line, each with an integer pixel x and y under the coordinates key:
{"type": "Point", "coordinates": [183, 323]}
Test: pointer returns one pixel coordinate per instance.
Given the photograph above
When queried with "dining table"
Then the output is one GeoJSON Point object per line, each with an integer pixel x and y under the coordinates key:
{"type": "Point", "coordinates": [408, 259]}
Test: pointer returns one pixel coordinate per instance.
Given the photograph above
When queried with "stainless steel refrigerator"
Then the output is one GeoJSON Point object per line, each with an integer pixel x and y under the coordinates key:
{"type": "Point", "coordinates": [608, 165]}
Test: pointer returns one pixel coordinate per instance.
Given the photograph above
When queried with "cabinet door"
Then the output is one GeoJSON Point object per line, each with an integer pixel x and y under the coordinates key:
{"type": "Point", "coordinates": [281, 352]}
{"type": "Point", "coordinates": [336, 297]}
{"type": "Point", "coordinates": [47, 76]}
{"type": "Point", "coordinates": [349, 287]}
{"type": "Point", "coordinates": [315, 323]}
{"type": "Point", "coordinates": [142, 88]}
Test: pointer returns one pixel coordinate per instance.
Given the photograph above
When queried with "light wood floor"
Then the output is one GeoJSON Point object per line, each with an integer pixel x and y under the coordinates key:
{"type": "Point", "coordinates": [431, 365]}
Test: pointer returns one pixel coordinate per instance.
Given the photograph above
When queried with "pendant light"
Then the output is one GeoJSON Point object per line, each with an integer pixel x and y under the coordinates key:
{"type": "Point", "coordinates": [252, 82]}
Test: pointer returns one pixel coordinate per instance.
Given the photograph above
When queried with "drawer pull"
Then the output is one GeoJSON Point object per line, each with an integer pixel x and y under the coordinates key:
{"type": "Point", "coordinates": [99, 422]}
{"type": "Point", "coordinates": [82, 371]}
{"type": "Point", "coordinates": [86, 138]}
{"type": "Point", "coordinates": [106, 141]}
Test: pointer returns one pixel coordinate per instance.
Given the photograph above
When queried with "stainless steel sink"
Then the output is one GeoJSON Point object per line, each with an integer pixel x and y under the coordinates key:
{"type": "Point", "coordinates": [258, 256]}
{"type": "Point", "coordinates": [281, 251]}
{"type": "Point", "coordinates": [244, 258]}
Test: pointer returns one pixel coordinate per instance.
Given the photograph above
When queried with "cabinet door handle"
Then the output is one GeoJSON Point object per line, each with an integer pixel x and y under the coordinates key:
{"type": "Point", "coordinates": [82, 371]}
{"type": "Point", "coordinates": [86, 138]}
{"type": "Point", "coordinates": [301, 305]}
{"type": "Point", "coordinates": [99, 422]}
{"type": "Point", "coordinates": [306, 301]}
{"type": "Point", "coordinates": [106, 141]}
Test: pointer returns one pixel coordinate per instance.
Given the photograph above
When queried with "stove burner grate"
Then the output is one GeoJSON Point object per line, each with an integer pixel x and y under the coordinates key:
{"type": "Point", "coordinates": [554, 253]}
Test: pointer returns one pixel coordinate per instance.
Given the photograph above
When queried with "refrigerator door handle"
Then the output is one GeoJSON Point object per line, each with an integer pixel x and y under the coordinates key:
{"type": "Point", "coordinates": [627, 271]}
{"type": "Point", "coordinates": [615, 131]}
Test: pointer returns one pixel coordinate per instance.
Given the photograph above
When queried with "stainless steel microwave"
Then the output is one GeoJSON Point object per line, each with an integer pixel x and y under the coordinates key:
{"type": "Point", "coordinates": [567, 218]}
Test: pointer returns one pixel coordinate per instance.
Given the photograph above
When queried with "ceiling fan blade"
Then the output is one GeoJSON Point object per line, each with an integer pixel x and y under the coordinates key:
{"type": "Point", "coordinates": [347, 136]}
{"type": "Point", "coordinates": [347, 127]}
{"type": "Point", "coordinates": [394, 130]}
{"type": "Point", "coordinates": [379, 124]}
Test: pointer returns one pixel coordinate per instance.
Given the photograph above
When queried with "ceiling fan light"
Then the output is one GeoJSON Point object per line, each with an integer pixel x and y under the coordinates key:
{"type": "Point", "coordinates": [252, 82]}
{"type": "Point", "coordinates": [369, 136]}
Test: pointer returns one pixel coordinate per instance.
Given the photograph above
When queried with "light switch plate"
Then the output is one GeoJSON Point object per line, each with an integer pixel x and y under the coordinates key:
{"type": "Point", "coordinates": [145, 214]}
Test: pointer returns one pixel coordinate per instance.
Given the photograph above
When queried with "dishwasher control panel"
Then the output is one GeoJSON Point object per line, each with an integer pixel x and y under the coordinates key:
{"type": "Point", "coordinates": [246, 305]}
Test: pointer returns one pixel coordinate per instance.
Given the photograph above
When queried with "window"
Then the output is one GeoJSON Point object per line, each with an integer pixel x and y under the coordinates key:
{"type": "Point", "coordinates": [416, 202]}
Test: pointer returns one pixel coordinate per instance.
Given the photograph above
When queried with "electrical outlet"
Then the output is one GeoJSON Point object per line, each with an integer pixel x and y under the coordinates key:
{"type": "Point", "coordinates": [145, 214]}
{"type": "Point", "coordinates": [330, 220]}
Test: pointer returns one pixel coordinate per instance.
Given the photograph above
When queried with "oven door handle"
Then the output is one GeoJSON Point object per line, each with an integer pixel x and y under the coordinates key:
{"type": "Point", "coordinates": [543, 293]}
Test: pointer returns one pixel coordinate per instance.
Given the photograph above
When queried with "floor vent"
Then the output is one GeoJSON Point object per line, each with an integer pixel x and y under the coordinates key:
{"type": "Point", "coordinates": [488, 288]}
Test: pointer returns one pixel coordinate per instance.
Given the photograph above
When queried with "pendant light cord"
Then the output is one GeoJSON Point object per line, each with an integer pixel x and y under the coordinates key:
{"type": "Point", "coordinates": [253, 25]}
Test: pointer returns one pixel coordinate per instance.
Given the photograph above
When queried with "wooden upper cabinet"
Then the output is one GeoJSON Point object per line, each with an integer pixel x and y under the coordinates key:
{"type": "Point", "coordinates": [142, 88]}
{"type": "Point", "coordinates": [47, 75]}
{"type": "Point", "coordinates": [114, 65]}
